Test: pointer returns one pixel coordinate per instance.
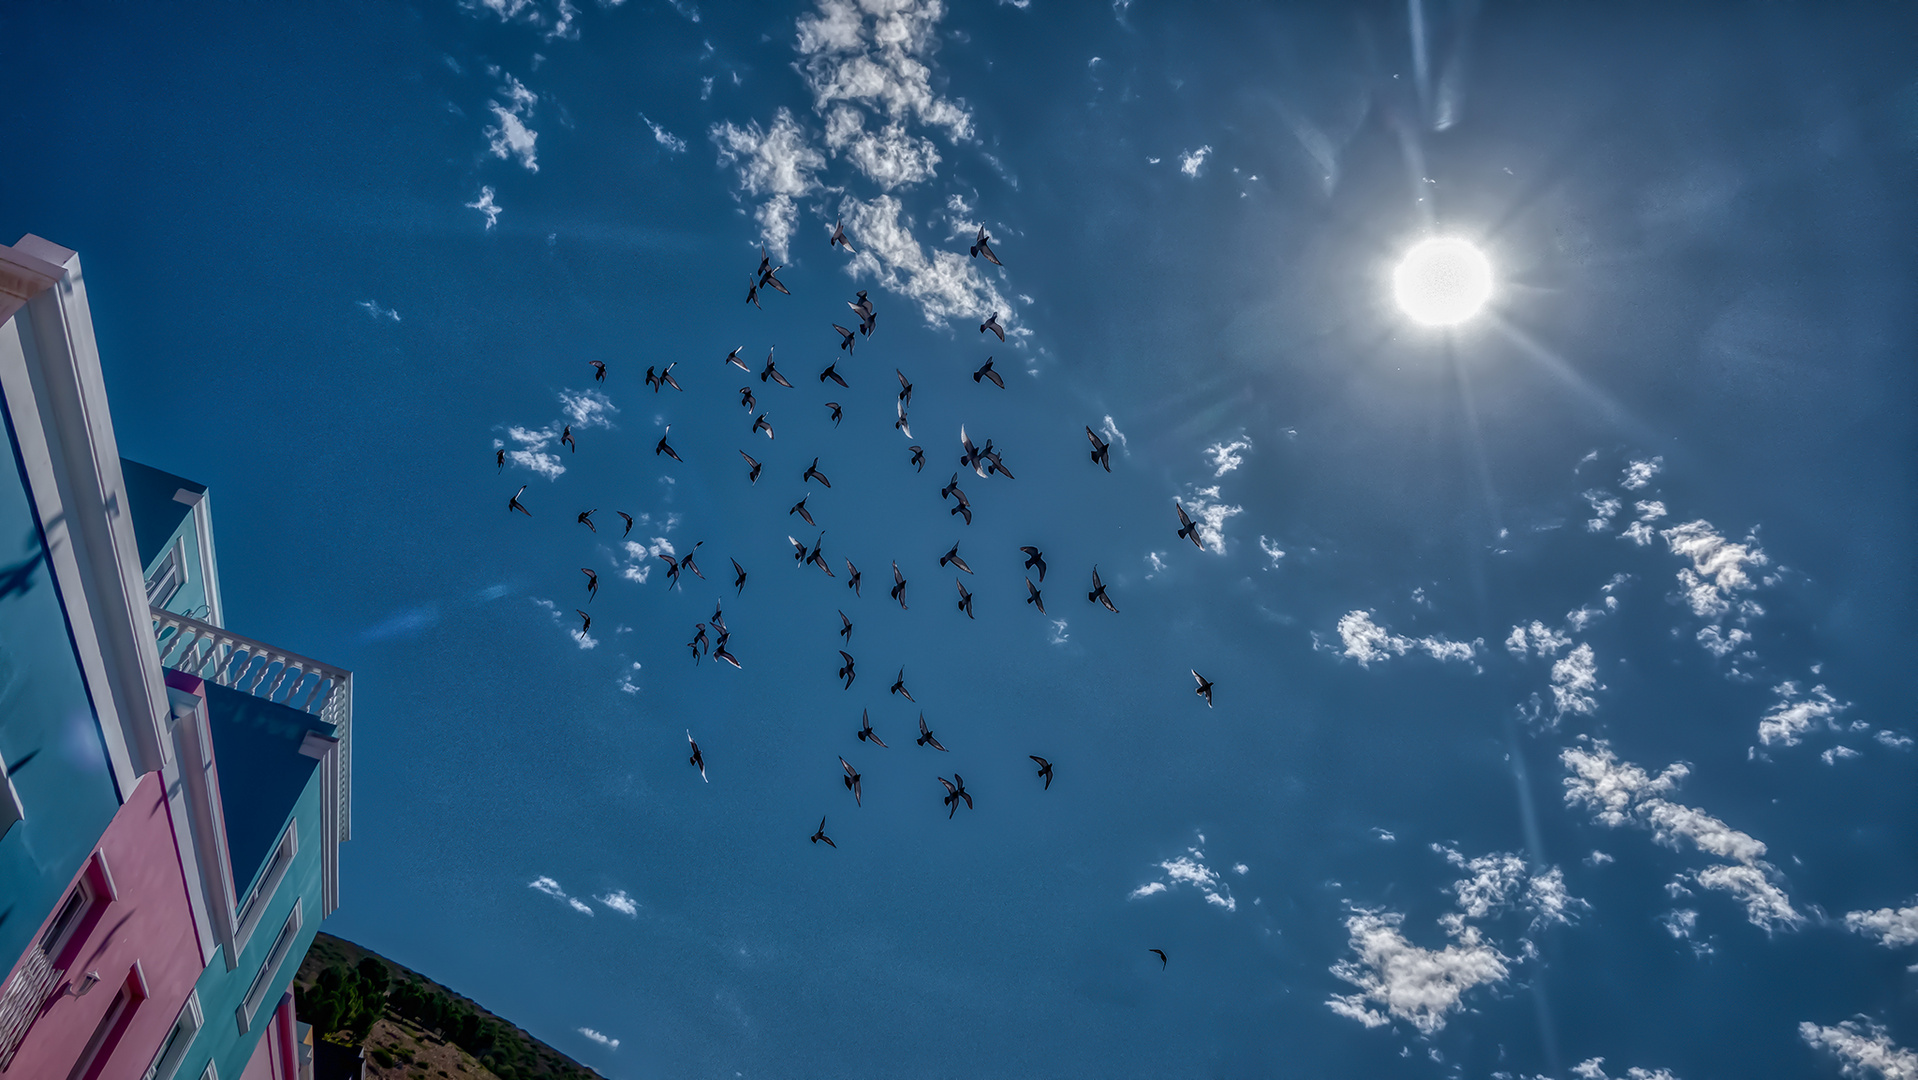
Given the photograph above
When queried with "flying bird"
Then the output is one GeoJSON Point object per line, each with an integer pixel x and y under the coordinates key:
{"type": "Point", "coordinates": [739, 582]}
{"type": "Point", "coordinates": [965, 598]}
{"type": "Point", "coordinates": [698, 643]}
{"type": "Point", "coordinates": [918, 457]}
{"type": "Point", "coordinates": [767, 277]}
{"type": "Point", "coordinates": [698, 760]}
{"type": "Point", "coordinates": [586, 519]}
{"type": "Point", "coordinates": [905, 388]}
{"type": "Point", "coordinates": [719, 621]}
{"type": "Point", "coordinates": [973, 458]}
{"type": "Point", "coordinates": [720, 653]}
{"type": "Point", "coordinates": [1045, 770]}
{"type": "Point", "coordinates": [852, 578]}
{"type": "Point", "coordinates": [952, 485]}
{"type": "Point", "coordinates": [772, 372]}
{"type": "Point", "coordinates": [1187, 529]}
{"type": "Point", "coordinates": [865, 730]}
{"type": "Point", "coordinates": [799, 551]}
{"type": "Point", "coordinates": [955, 790]}
{"type": "Point", "coordinates": [1204, 690]}
{"type": "Point", "coordinates": [839, 237]}
{"type": "Point", "coordinates": [837, 413]}
{"type": "Point", "coordinates": [733, 359]}
{"type": "Point", "coordinates": [983, 246]}
{"type": "Point", "coordinates": [752, 292]}
{"type": "Point", "coordinates": [845, 631]}
{"type": "Point", "coordinates": [832, 372]}
{"type": "Point", "coordinates": [566, 438]}
{"type": "Point", "coordinates": [599, 370]}
{"type": "Point", "coordinates": [902, 424]}
{"type": "Point", "coordinates": [499, 456]}
{"type": "Point", "coordinates": [513, 503]}
{"type": "Point", "coordinates": [1098, 593]}
{"type": "Point", "coordinates": [672, 568]}
{"type": "Point", "coordinates": [898, 585]}
{"type": "Point", "coordinates": [868, 319]}
{"type": "Point", "coordinates": [925, 735]}
{"type": "Point", "coordinates": [1100, 449]}
{"type": "Point", "coordinates": [953, 558]}
{"type": "Point", "coordinates": [666, 448]}
{"type": "Point", "coordinates": [805, 515]}
{"type": "Point", "coordinates": [760, 424]}
{"type": "Point", "coordinates": [585, 620]}
{"type": "Point", "coordinates": [746, 399]}
{"type": "Point", "coordinates": [753, 476]}
{"type": "Point", "coordinates": [1033, 597]}
{"type": "Point", "coordinates": [996, 465]}
{"type": "Point", "coordinates": [1161, 955]}
{"type": "Point", "coordinates": [899, 686]}
{"type": "Point", "coordinates": [812, 473]}
{"type": "Point", "coordinates": [851, 780]}
{"type": "Point", "coordinates": [816, 559]}
{"type": "Point", "coordinates": [847, 337]}
{"type": "Point", "coordinates": [666, 379]}
{"type": "Point", "coordinates": [629, 523]}
{"type": "Point", "coordinates": [992, 324]}
{"type": "Point", "coordinates": [686, 561]}
{"type": "Point", "coordinates": [821, 835]}
{"type": "Point", "coordinates": [592, 583]}
{"type": "Point", "coordinates": [846, 671]}
{"type": "Point", "coordinates": [1035, 558]}
{"type": "Point", "coordinates": [987, 373]}
{"type": "Point", "coordinates": [964, 507]}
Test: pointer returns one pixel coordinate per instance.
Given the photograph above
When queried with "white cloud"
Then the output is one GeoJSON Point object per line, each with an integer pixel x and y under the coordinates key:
{"type": "Point", "coordinates": [1272, 551]}
{"type": "Point", "coordinates": [946, 284]}
{"type": "Point", "coordinates": [1718, 566]}
{"type": "Point", "coordinates": [1892, 927]}
{"type": "Point", "coordinates": [587, 408]}
{"type": "Point", "coordinates": [532, 453]}
{"type": "Point", "coordinates": [585, 641]}
{"type": "Point", "coordinates": [1209, 512]}
{"type": "Point", "coordinates": [1537, 638]}
{"type": "Point", "coordinates": [1680, 923]}
{"type": "Point", "coordinates": [776, 162]}
{"type": "Point", "coordinates": [889, 157]}
{"type": "Point", "coordinates": [551, 888]}
{"type": "Point", "coordinates": [1639, 473]}
{"type": "Point", "coordinates": [1649, 510]}
{"type": "Point", "coordinates": [1832, 755]}
{"type": "Point", "coordinates": [1191, 161]}
{"type": "Point", "coordinates": [605, 1041]}
{"type": "Point", "coordinates": [873, 57]}
{"type": "Point", "coordinates": [1863, 1049]}
{"type": "Point", "coordinates": [619, 901]}
{"type": "Point", "coordinates": [1501, 881]}
{"type": "Point", "coordinates": [1604, 508]}
{"type": "Point", "coordinates": [673, 143]}
{"type": "Point", "coordinates": [1718, 642]}
{"type": "Point", "coordinates": [1574, 678]}
{"type": "Point", "coordinates": [1190, 869]}
{"type": "Point", "coordinates": [1765, 903]}
{"type": "Point", "coordinates": [1112, 434]}
{"type": "Point", "coordinates": [1384, 835]}
{"type": "Point", "coordinates": [1420, 986]}
{"type": "Point", "coordinates": [1598, 858]}
{"type": "Point", "coordinates": [485, 205]}
{"type": "Point", "coordinates": [372, 307]}
{"type": "Point", "coordinates": [1367, 642]}
{"type": "Point", "coordinates": [1223, 457]}
{"type": "Point", "coordinates": [1589, 1070]}
{"type": "Point", "coordinates": [1638, 533]}
{"type": "Point", "coordinates": [642, 557]}
{"type": "Point", "coordinates": [1794, 714]}
{"type": "Point", "coordinates": [558, 22]}
{"type": "Point", "coordinates": [1056, 632]}
{"type": "Point", "coordinates": [1894, 740]}
{"type": "Point", "coordinates": [511, 137]}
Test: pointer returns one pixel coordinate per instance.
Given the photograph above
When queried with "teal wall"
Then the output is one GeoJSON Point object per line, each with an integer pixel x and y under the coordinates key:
{"type": "Point", "coordinates": [49, 735]}
{"type": "Point", "coordinates": [158, 522]}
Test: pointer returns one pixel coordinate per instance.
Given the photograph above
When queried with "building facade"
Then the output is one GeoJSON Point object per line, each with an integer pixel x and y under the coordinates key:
{"type": "Point", "coordinates": [172, 795]}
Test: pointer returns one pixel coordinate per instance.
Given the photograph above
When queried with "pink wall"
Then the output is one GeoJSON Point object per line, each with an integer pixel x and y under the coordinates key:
{"type": "Point", "coordinates": [150, 923]}
{"type": "Point", "coordinates": [273, 1056]}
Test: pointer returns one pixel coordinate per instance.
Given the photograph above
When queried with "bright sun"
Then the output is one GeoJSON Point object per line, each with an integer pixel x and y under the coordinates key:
{"type": "Point", "coordinates": [1442, 281]}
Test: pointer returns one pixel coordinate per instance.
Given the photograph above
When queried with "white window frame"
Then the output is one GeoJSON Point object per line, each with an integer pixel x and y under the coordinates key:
{"type": "Point", "coordinates": [169, 578]}
{"type": "Point", "coordinates": [255, 903]}
{"type": "Point", "coordinates": [179, 1039]}
{"type": "Point", "coordinates": [256, 993]}
{"type": "Point", "coordinates": [58, 935]}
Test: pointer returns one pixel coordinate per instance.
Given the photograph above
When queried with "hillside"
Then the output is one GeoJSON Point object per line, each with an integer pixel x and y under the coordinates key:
{"type": "Point", "coordinates": [412, 1027]}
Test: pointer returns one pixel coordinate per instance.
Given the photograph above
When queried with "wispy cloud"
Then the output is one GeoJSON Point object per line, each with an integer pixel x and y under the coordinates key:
{"type": "Point", "coordinates": [1223, 457]}
{"type": "Point", "coordinates": [1272, 551]}
{"type": "Point", "coordinates": [587, 408]}
{"type": "Point", "coordinates": [875, 58]}
{"type": "Point", "coordinates": [1574, 679]}
{"type": "Point", "coordinates": [642, 557]}
{"type": "Point", "coordinates": [1502, 881]}
{"type": "Point", "coordinates": [1112, 434]}
{"type": "Point", "coordinates": [485, 205]}
{"type": "Point", "coordinates": [1368, 642]}
{"type": "Point", "coordinates": [532, 453]}
{"type": "Point", "coordinates": [410, 623]}
{"type": "Point", "coordinates": [1893, 927]}
{"type": "Point", "coordinates": [372, 307]}
{"type": "Point", "coordinates": [1863, 1048]}
{"type": "Point", "coordinates": [1209, 512]}
{"type": "Point", "coordinates": [1407, 982]}
{"type": "Point", "coordinates": [551, 888]}
{"type": "Point", "coordinates": [1537, 638]}
{"type": "Point", "coordinates": [1797, 712]}
{"type": "Point", "coordinates": [1589, 1070]}
{"type": "Point", "coordinates": [778, 163]}
{"type": "Point", "coordinates": [619, 901]}
{"type": "Point", "coordinates": [1190, 869]}
{"type": "Point", "coordinates": [1056, 632]}
{"type": "Point", "coordinates": [1605, 506]}
{"type": "Point", "coordinates": [1191, 161]}
{"type": "Point", "coordinates": [606, 1041]}
{"type": "Point", "coordinates": [1718, 570]}
{"type": "Point", "coordinates": [673, 143]}
{"type": "Point", "coordinates": [1639, 473]}
{"type": "Point", "coordinates": [946, 284]}
{"type": "Point", "coordinates": [510, 137]}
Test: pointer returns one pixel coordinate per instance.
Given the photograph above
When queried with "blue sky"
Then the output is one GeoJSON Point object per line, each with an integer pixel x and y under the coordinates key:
{"type": "Point", "coordinates": [1559, 729]}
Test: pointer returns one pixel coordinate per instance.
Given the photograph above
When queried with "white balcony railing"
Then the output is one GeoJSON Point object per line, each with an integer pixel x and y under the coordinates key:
{"type": "Point", "coordinates": [22, 999]}
{"type": "Point", "coordinates": [227, 659]}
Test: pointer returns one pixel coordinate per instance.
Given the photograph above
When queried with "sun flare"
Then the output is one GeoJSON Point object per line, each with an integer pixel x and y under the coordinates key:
{"type": "Point", "coordinates": [1442, 281]}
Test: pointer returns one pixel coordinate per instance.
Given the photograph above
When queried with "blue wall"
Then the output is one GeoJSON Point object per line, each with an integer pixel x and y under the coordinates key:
{"type": "Point", "coordinates": [49, 735]}
{"type": "Point", "coordinates": [158, 522]}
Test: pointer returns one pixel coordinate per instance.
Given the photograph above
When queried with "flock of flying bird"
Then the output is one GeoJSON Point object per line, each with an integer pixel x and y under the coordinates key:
{"type": "Point", "coordinates": [985, 462]}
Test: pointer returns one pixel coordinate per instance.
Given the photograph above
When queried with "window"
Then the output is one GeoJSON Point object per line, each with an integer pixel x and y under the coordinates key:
{"type": "Point", "coordinates": [168, 577]}
{"type": "Point", "coordinates": [268, 883]}
{"type": "Point", "coordinates": [263, 981]}
{"type": "Point", "coordinates": [177, 1040]}
{"type": "Point", "coordinates": [61, 928]}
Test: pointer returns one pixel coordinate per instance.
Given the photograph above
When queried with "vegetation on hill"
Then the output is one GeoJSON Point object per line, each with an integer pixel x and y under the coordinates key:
{"type": "Point", "coordinates": [343, 990]}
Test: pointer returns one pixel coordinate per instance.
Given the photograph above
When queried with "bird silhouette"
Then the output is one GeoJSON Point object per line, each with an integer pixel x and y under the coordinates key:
{"type": "Point", "coordinates": [686, 561]}
{"type": "Point", "coordinates": [983, 246]}
{"type": "Point", "coordinates": [805, 515]}
{"type": "Point", "coordinates": [905, 388]}
{"type": "Point", "coordinates": [566, 438]}
{"type": "Point", "coordinates": [747, 400]}
{"type": "Point", "coordinates": [733, 359]}
{"type": "Point", "coordinates": [666, 378]}
{"type": "Point", "coordinates": [899, 686]}
{"type": "Point", "coordinates": [992, 324]}
{"type": "Point", "coordinates": [586, 519]}
{"type": "Point", "coordinates": [819, 560]}
{"type": "Point", "coordinates": [720, 653]}
{"type": "Point", "coordinates": [592, 582]}
{"type": "Point", "coordinates": [1204, 689]}
{"type": "Point", "coordinates": [1101, 450]}
{"type": "Point", "coordinates": [987, 373]}
{"type": "Point", "coordinates": [772, 372]}
{"type": "Point", "coordinates": [1161, 955]}
{"type": "Point", "coordinates": [499, 456]}
{"type": "Point", "coordinates": [925, 735]}
{"type": "Point", "coordinates": [698, 760]}
{"type": "Point", "coordinates": [672, 568]}
{"type": "Point", "coordinates": [836, 412]}
{"type": "Point", "coordinates": [852, 578]}
{"type": "Point", "coordinates": [1033, 597]}
{"type": "Point", "coordinates": [698, 643]}
{"type": "Point", "coordinates": [513, 503]}
{"type": "Point", "coordinates": [821, 835]}
{"type": "Point", "coordinates": [845, 631]}
{"type": "Point", "coordinates": [666, 448]}
{"type": "Point", "coordinates": [955, 790]}
{"type": "Point", "coordinates": [832, 372]}
{"type": "Point", "coordinates": [1034, 558]}
{"type": "Point", "coordinates": [766, 277]}
{"type": "Point", "coordinates": [902, 424]}
{"type": "Point", "coordinates": [760, 424]}
{"type": "Point", "coordinates": [629, 523]}
{"type": "Point", "coordinates": [1045, 770]}
{"type": "Point", "coordinates": [852, 780]}
{"type": "Point", "coordinates": [812, 473]}
{"type": "Point", "coordinates": [753, 476]}
{"type": "Point", "coordinates": [846, 338]}
{"type": "Point", "coordinates": [585, 620]}
{"type": "Point", "coordinates": [799, 550]}
{"type": "Point", "coordinates": [965, 598]}
{"type": "Point", "coordinates": [918, 458]}
{"type": "Point", "coordinates": [838, 238]}
{"type": "Point", "coordinates": [739, 582]}
{"type": "Point", "coordinates": [865, 730]}
{"type": "Point", "coordinates": [1098, 593]}
{"type": "Point", "coordinates": [898, 585]}
{"type": "Point", "coordinates": [1187, 529]}
{"type": "Point", "coordinates": [846, 671]}
{"type": "Point", "coordinates": [953, 558]}
{"type": "Point", "coordinates": [599, 370]}
{"type": "Point", "coordinates": [868, 318]}
{"type": "Point", "coordinates": [752, 292]}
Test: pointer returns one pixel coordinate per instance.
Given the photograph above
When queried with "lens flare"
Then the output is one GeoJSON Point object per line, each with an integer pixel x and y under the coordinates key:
{"type": "Point", "coordinates": [1442, 281]}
